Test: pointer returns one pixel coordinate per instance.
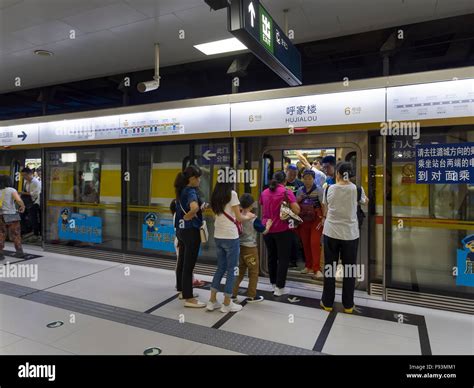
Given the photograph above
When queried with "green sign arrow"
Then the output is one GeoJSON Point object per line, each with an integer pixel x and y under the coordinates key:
{"type": "Point", "coordinates": [266, 29]}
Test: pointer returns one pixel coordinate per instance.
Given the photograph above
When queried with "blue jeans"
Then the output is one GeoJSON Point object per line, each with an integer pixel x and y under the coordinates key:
{"type": "Point", "coordinates": [227, 261]}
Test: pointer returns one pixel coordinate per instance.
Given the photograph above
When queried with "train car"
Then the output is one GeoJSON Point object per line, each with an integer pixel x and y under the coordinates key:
{"type": "Point", "coordinates": [108, 175]}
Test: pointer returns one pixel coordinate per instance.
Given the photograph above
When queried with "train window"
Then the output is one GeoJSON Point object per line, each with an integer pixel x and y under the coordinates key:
{"type": "Point", "coordinates": [151, 172]}
{"type": "Point", "coordinates": [428, 220]}
{"type": "Point", "coordinates": [309, 155]}
{"type": "Point", "coordinates": [210, 156]}
{"type": "Point", "coordinates": [83, 197]}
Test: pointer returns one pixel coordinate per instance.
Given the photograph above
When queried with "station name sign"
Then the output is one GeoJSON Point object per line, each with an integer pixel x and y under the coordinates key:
{"type": "Point", "coordinates": [252, 25]}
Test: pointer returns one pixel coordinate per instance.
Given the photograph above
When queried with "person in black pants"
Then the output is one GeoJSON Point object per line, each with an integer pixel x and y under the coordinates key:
{"type": "Point", "coordinates": [31, 197]}
{"type": "Point", "coordinates": [280, 238]}
{"type": "Point", "coordinates": [341, 236]}
{"type": "Point", "coordinates": [188, 221]}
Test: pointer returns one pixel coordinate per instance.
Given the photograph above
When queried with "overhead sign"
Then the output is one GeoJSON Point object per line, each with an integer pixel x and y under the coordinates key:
{"type": "Point", "coordinates": [445, 163]}
{"type": "Point", "coordinates": [203, 119]}
{"type": "Point", "coordinates": [251, 23]}
{"type": "Point", "coordinates": [19, 134]}
{"type": "Point", "coordinates": [218, 154]}
{"type": "Point", "coordinates": [365, 106]}
{"type": "Point", "coordinates": [436, 100]}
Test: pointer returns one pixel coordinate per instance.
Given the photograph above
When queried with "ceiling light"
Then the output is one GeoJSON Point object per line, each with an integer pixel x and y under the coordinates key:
{"type": "Point", "coordinates": [221, 46]}
{"type": "Point", "coordinates": [44, 53]}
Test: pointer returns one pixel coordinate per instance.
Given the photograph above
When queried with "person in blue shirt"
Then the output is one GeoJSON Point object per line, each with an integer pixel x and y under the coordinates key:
{"type": "Point", "coordinates": [188, 221]}
{"type": "Point", "coordinates": [329, 167]}
{"type": "Point", "coordinates": [292, 182]}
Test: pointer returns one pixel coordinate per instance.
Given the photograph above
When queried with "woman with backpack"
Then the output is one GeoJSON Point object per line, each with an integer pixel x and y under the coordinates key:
{"type": "Point", "coordinates": [310, 230]}
{"type": "Point", "coordinates": [341, 236]}
{"type": "Point", "coordinates": [9, 217]}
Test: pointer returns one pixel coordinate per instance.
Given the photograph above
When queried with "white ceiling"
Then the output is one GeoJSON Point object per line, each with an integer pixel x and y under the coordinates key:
{"type": "Point", "coordinates": [114, 36]}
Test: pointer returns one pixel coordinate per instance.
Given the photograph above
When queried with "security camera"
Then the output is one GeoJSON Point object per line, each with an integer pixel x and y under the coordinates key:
{"type": "Point", "coordinates": [148, 86]}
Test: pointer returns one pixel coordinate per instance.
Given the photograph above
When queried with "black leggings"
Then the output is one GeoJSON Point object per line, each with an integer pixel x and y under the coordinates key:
{"type": "Point", "coordinates": [347, 249]}
{"type": "Point", "coordinates": [34, 214]}
{"type": "Point", "coordinates": [189, 241]}
{"type": "Point", "coordinates": [279, 247]}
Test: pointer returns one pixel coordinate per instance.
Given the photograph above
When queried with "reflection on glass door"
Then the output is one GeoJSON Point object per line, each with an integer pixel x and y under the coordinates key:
{"type": "Point", "coordinates": [11, 164]}
{"type": "Point", "coordinates": [427, 221]}
{"type": "Point", "coordinates": [83, 194]}
{"type": "Point", "coordinates": [210, 156]}
{"type": "Point", "coordinates": [152, 171]}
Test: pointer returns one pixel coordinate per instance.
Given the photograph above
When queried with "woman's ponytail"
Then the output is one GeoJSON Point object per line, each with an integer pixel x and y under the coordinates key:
{"type": "Point", "coordinates": [278, 178]}
{"type": "Point", "coordinates": [182, 179]}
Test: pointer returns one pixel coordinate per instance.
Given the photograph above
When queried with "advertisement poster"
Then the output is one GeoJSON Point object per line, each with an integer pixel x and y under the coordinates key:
{"type": "Point", "coordinates": [79, 227]}
{"type": "Point", "coordinates": [465, 262]}
{"type": "Point", "coordinates": [157, 235]}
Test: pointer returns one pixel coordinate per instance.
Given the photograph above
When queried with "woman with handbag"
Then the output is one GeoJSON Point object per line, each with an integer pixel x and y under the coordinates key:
{"type": "Point", "coordinates": [9, 217]}
{"type": "Point", "coordinates": [227, 228]}
{"type": "Point", "coordinates": [279, 205]}
{"type": "Point", "coordinates": [310, 230]}
{"type": "Point", "coordinates": [189, 226]}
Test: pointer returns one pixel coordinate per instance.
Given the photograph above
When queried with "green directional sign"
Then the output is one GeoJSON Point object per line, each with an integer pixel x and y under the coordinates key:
{"type": "Point", "coordinates": [252, 24]}
{"type": "Point", "coordinates": [266, 28]}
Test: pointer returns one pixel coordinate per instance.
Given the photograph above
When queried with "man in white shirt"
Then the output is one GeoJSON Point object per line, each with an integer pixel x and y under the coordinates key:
{"type": "Point", "coordinates": [33, 191]}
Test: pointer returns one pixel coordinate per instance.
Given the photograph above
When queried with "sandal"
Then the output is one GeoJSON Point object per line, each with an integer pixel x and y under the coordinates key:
{"type": "Point", "coordinates": [199, 283]}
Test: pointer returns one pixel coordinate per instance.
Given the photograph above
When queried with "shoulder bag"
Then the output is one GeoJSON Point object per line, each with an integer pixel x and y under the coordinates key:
{"type": "Point", "coordinates": [203, 231]}
{"type": "Point", "coordinates": [238, 224]}
{"type": "Point", "coordinates": [287, 215]}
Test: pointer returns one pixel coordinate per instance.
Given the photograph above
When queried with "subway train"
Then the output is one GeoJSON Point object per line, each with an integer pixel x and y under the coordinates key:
{"type": "Point", "coordinates": [107, 175]}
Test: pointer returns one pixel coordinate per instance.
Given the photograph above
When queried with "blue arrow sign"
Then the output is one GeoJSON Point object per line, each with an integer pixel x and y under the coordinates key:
{"type": "Point", "coordinates": [23, 136]}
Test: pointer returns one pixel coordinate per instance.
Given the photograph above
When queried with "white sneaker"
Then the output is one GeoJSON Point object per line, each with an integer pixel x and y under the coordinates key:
{"type": "Point", "coordinates": [273, 287]}
{"type": "Point", "coordinates": [212, 306]}
{"type": "Point", "coordinates": [231, 308]}
{"type": "Point", "coordinates": [281, 291]}
{"type": "Point", "coordinates": [319, 275]}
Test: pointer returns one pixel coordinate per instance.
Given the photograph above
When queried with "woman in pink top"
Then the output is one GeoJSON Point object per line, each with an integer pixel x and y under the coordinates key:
{"type": "Point", "coordinates": [279, 239]}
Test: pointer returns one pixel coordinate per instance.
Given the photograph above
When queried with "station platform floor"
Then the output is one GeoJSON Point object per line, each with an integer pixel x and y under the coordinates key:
{"type": "Point", "coordinates": [109, 308]}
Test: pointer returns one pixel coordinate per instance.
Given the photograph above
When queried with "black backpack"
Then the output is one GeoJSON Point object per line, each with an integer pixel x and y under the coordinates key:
{"type": "Point", "coordinates": [360, 212]}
